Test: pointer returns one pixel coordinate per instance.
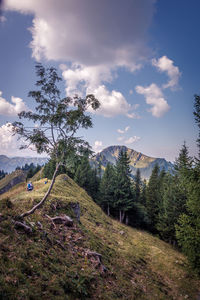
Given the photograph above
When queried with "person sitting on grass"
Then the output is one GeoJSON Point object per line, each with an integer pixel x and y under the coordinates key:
{"type": "Point", "coordinates": [29, 186]}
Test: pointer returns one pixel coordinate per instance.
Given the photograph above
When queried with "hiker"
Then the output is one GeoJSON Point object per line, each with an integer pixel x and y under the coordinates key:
{"type": "Point", "coordinates": [29, 186]}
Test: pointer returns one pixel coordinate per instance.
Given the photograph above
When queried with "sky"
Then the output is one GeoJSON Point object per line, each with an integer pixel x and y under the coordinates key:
{"type": "Point", "coordinates": [140, 58]}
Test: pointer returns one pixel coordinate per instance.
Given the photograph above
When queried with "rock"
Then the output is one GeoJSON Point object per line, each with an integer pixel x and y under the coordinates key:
{"type": "Point", "coordinates": [23, 226]}
{"type": "Point", "coordinates": [66, 220]}
{"type": "Point", "coordinates": [122, 232]}
{"type": "Point", "coordinates": [76, 209]}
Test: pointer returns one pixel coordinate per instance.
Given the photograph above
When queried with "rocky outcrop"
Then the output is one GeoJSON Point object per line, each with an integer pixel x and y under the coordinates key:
{"type": "Point", "coordinates": [18, 177]}
{"type": "Point", "coordinates": [137, 160]}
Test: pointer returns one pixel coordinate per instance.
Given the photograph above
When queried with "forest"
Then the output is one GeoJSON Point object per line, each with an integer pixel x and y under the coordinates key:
{"type": "Point", "coordinates": [167, 205]}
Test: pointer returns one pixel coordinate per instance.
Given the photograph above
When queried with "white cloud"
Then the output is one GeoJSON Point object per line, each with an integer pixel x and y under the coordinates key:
{"type": "Point", "coordinates": [164, 64]}
{"type": "Point", "coordinates": [98, 146]}
{"type": "Point", "coordinates": [123, 131]}
{"type": "Point", "coordinates": [89, 32]}
{"type": "Point", "coordinates": [92, 39]}
{"type": "Point", "coordinates": [9, 109]}
{"type": "Point", "coordinates": [154, 96]}
{"type": "Point", "coordinates": [85, 78]}
{"type": "Point", "coordinates": [112, 103]}
{"type": "Point", "coordinates": [132, 140]}
{"type": "Point", "coordinates": [10, 143]}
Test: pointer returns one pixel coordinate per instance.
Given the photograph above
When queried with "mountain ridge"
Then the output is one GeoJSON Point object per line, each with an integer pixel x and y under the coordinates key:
{"type": "Point", "coordinates": [9, 164]}
{"type": "Point", "coordinates": [138, 160]}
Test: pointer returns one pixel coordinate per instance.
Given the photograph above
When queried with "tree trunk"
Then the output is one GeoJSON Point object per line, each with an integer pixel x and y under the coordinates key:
{"type": "Point", "coordinates": [45, 196]}
{"type": "Point", "coordinates": [123, 215]}
{"type": "Point", "coordinates": [108, 210]}
{"type": "Point", "coordinates": [120, 216]}
{"type": "Point", "coordinates": [126, 219]}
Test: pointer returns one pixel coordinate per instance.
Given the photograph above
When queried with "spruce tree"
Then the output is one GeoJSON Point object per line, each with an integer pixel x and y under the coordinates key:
{"type": "Point", "coordinates": [138, 186]}
{"type": "Point", "coordinates": [123, 191]}
{"type": "Point", "coordinates": [107, 188]}
{"type": "Point", "coordinates": [153, 197]}
{"type": "Point", "coordinates": [188, 228]}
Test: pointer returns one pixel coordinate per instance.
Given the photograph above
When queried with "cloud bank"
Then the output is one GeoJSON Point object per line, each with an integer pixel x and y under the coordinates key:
{"type": "Point", "coordinates": [93, 39]}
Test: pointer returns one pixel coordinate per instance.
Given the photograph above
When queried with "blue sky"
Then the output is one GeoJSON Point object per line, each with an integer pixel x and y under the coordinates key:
{"type": "Point", "coordinates": [139, 57]}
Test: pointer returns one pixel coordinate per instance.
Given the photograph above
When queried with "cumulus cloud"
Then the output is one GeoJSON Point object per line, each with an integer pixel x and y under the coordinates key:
{"type": "Point", "coordinates": [88, 32]}
{"type": "Point", "coordinates": [112, 103]}
{"type": "Point", "coordinates": [85, 78]}
{"type": "Point", "coordinates": [93, 39]}
{"type": "Point", "coordinates": [154, 96]}
{"type": "Point", "coordinates": [8, 109]}
{"type": "Point", "coordinates": [97, 146]}
{"type": "Point", "coordinates": [10, 143]}
{"type": "Point", "coordinates": [164, 64]}
{"type": "Point", "coordinates": [132, 140]}
{"type": "Point", "coordinates": [123, 131]}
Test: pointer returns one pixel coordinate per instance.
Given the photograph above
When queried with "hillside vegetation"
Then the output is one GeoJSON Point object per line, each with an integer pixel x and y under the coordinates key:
{"type": "Point", "coordinates": [11, 180]}
{"type": "Point", "coordinates": [55, 261]}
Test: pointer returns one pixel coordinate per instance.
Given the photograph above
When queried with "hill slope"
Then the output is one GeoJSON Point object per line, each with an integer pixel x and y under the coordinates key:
{"type": "Point", "coordinates": [53, 261]}
{"type": "Point", "coordinates": [9, 164]}
{"type": "Point", "coordinates": [11, 180]}
{"type": "Point", "coordinates": [137, 160]}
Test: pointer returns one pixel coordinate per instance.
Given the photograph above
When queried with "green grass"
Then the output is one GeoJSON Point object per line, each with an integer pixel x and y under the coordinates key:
{"type": "Point", "coordinates": [52, 263]}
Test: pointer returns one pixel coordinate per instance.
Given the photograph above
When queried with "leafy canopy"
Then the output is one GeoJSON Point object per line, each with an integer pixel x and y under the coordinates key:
{"type": "Point", "coordinates": [56, 119]}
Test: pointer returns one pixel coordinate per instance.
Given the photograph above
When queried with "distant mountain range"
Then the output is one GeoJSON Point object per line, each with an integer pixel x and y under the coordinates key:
{"type": "Point", "coordinates": [137, 160]}
{"type": "Point", "coordinates": [109, 155]}
{"type": "Point", "coordinates": [9, 164]}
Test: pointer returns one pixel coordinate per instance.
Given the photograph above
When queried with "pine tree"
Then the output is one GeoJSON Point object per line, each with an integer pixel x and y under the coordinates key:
{"type": "Point", "coordinates": [171, 207]}
{"type": "Point", "coordinates": [107, 188]}
{"type": "Point", "coordinates": [188, 228]}
{"type": "Point", "coordinates": [123, 191]}
{"type": "Point", "coordinates": [153, 197]}
{"type": "Point", "coordinates": [138, 186]}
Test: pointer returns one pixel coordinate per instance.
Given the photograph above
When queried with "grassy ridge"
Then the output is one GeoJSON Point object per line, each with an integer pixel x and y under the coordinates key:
{"type": "Point", "coordinates": [52, 262]}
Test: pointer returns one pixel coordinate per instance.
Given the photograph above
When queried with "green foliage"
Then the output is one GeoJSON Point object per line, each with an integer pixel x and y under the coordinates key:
{"type": "Point", "coordinates": [153, 197]}
{"type": "Point", "coordinates": [107, 188]}
{"type": "Point", "coordinates": [197, 117]}
{"type": "Point", "coordinates": [188, 228]}
{"type": "Point", "coordinates": [57, 118]}
{"type": "Point", "coordinates": [138, 186]}
{"type": "Point", "coordinates": [2, 174]}
{"type": "Point", "coordinates": [86, 177]}
{"type": "Point", "coordinates": [123, 191]}
{"type": "Point", "coordinates": [49, 169]}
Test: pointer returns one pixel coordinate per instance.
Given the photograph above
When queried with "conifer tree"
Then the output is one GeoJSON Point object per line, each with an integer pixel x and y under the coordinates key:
{"type": "Point", "coordinates": [188, 228]}
{"type": "Point", "coordinates": [107, 188]}
{"type": "Point", "coordinates": [153, 197]}
{"type": "Point", "coordinates": [123, 191]}
{"type": "Point", "coordinates": [138, 186]}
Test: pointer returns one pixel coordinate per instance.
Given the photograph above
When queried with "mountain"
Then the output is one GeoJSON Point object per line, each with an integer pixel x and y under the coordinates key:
{"type": "Point", "coordinates": [137, 160]}
{"type": "Point", "coordinates": [96, 258]}
{"type": "Point", "coordinates": [9, 164]}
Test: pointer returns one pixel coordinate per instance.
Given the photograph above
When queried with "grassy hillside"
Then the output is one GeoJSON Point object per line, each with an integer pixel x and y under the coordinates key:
{"type": "Point", "coordinates": [53, 261]}
{"type": "Point", "coordinates": [12, 179]}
